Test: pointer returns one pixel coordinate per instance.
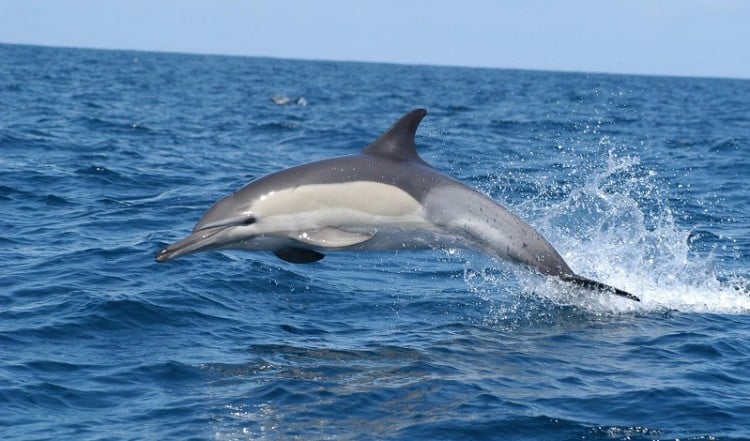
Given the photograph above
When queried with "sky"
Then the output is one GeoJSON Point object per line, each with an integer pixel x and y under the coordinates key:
{"type": "Point", "coordinates": [707, 38]}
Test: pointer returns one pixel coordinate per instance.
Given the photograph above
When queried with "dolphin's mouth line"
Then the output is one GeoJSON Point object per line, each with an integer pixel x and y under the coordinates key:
{"type": "Point", "coordinates": [243, 222]}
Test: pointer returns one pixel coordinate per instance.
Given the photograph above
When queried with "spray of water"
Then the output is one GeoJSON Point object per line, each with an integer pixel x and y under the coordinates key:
{"type": "Point", "coordinates": [617, 227]}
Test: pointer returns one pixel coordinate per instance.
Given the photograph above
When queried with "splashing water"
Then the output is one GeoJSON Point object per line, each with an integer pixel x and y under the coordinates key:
{"type": "Point", "coordinates": [617, 228]}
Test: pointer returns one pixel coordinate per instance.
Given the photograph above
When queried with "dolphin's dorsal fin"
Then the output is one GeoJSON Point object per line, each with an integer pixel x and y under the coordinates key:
{"type": "Point", "coordinates": [398, 141]}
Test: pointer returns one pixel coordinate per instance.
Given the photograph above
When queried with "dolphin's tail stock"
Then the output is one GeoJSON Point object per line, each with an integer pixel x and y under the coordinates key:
{"type": "Point", "coordinates": [597, 286]}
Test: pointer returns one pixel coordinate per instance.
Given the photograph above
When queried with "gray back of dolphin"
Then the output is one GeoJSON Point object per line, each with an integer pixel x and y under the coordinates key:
{"type": "Point", "coordinates": [451, 214]}
{"type": "Point", "coordinates": [391, 159]}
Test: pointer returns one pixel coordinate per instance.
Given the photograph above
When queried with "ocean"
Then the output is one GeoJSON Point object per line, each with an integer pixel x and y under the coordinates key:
{"type": "Point", "coordinates": [108, 156]}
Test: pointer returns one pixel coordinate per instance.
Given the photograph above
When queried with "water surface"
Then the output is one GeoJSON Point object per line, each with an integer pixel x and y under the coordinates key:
{"type": "Point", "coordinates": [107, 156]}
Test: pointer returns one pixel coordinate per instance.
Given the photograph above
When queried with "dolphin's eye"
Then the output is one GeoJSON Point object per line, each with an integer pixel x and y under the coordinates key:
{"type": "Point", "coordinates": [248, 221]}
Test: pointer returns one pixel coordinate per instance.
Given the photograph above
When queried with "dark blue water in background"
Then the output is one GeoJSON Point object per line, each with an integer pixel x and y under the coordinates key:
{"type": "Point", "coordinates": [107, 156]}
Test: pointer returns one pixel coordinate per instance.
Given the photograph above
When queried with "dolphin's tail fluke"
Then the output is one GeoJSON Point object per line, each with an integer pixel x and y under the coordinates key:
{"type": "Point", "coordinates": [598, 286]}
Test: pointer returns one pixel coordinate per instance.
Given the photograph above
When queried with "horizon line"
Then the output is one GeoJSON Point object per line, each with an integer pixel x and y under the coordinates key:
{"type": "Point", "coordinates": [396, 63]}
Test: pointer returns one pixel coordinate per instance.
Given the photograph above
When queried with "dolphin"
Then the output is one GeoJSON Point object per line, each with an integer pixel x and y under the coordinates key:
{"type": "Point", "coordinates": [382, 198]}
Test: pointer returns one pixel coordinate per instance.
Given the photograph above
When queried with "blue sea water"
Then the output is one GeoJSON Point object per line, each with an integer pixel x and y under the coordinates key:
{"type": "Point", "coordinates": [107, 156]}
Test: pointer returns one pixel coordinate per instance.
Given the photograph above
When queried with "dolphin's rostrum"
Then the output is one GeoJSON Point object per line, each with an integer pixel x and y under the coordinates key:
{"type": "Point", "coordinates": [383, 198]}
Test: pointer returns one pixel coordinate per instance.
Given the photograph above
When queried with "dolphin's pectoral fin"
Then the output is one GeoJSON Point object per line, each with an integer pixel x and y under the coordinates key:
{"type": "Point", "coordinates": [599, 286]}
{"type": "Point", "coordinates": [331, 237]}
{"type": "Point", "coordinates": [298, 255]}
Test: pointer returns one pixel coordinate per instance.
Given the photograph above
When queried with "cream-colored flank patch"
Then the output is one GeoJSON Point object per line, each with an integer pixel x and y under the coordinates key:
{"type": "Point", "coordinates": [365, 197]}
